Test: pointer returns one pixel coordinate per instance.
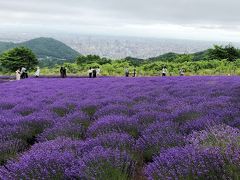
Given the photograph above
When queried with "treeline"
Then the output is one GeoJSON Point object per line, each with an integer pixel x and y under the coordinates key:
{"type": "Point", "coordinates": [219, 60]}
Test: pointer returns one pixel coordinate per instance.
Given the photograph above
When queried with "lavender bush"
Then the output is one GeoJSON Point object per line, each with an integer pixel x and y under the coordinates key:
{"type": "Point", "coordinates": [120, 128]}
{"type": "Point", "coordinates": [103, 163]}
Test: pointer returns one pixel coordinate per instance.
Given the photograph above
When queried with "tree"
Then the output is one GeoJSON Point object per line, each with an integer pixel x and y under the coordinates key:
{"type": "Point", "coordinates": [89, 59]}
{"type": "Point", "coordinates": [232, 53]}
{"type": "Point", "coordinates": [184, 58]}
{"type": "Point", "coordinates": [17, 58]}
{"type": "Point", "coordinates": [228, 52]}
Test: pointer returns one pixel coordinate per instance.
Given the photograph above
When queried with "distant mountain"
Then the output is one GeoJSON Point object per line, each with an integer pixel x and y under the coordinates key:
{"type": "Point", "coordinates": [44, 48]}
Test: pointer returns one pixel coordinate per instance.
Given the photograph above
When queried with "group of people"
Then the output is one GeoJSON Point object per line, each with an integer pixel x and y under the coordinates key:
{"type": "Point", "coordinates": [127, 73]}
{"type": "Point", "coordinates": [22, 73]}
{"type": "Point", "coordinates": [63, 72]}
{"type": "Point", "coordinates": [94, 72]}
{"type": "Point", "coordinates": [165, 71]}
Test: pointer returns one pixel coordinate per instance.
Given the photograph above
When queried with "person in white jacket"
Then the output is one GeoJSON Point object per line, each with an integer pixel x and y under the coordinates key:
{"type": "Point", "coordinates": [164, 71]}
{"type": "Point", "coordinates": [98, 71]}
{"type": "Point", "coordinates": [37, 73]}
{"type": "Point", "coordinates": [18, 75]}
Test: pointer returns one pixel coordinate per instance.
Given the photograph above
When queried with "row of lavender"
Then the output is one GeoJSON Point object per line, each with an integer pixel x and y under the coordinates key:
{"type": "Point", "coordinates": [117, 128]}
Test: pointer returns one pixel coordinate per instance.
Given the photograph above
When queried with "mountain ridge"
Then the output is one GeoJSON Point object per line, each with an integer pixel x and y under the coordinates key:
{"type": "Point", "coordinates": [44, 47]}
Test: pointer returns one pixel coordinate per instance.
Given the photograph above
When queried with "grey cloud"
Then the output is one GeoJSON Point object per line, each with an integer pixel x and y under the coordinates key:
{"type": "Point", "coordinates": [203, 14]}
{"type": "Point", "coordinates": [144, 11]}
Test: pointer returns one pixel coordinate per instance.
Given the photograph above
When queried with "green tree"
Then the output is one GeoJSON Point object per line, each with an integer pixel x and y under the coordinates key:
{"type": "Point", "coordinates": [184, 58]}
{"type": "Point", "coordinates": [17, 58]}
{"type": "Point", "coordinates": [228, 52]}
{"type": "Point", "coordinates": [89, 59]}
{"type": "Point", "coordinates": [232, 53]}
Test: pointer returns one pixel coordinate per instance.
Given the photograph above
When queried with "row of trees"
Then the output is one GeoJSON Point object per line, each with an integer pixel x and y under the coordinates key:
{"type": "Point", "coordinates": [214, 59]}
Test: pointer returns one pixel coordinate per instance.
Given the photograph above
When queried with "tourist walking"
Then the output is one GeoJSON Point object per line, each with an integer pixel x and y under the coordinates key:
{"type": "Point", "coordinates": [181, 72]}
{"type": "Point", "coordinates": [61, 72]}
{"type": "Point", "coordinates": [134, 72]}
{"type": "Point", "coordinates": [98, 71]}
{"type": "Point", "coordinates": [37, 73]}
{"type": "Point", "coordinates": [22, 72]}
{"type": "Point", "coordinates": [18, 75]}
{"type": "Point", "coordinates": [126, 72]}
{"type": "Point", "coordinates": [64, 72]}
{"type": "Point", "coordinates": [164, 71]}
{"type": "Point", "coordinates": [90, 71]}
{"type": "Point", "coordinates": [94, 73]}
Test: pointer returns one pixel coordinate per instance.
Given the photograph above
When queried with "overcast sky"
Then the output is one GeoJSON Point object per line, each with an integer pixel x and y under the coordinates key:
{"type": "Point", "coordinates": [184, 19]}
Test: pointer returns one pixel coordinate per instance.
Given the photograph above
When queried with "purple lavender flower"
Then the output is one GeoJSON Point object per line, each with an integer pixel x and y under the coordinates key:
{"type": "Point", "coordinates": [103, 163]}
{"type": "Point", "coordinates": [158, 137]}
{"type": "Point", "coordinates": [107, 124]}
{"type": "Point", "coordinates": [216, 136]}
{"type": "Point", "coordinates": [187, 163]}
{"type": "Point", "coordinates": [140, 117]}
{"type": "Point", "coordinates": [66, 129]}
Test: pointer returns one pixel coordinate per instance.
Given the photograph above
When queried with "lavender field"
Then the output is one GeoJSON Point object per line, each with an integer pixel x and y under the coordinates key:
{"type": "Point", "coordinates": [118, 128]}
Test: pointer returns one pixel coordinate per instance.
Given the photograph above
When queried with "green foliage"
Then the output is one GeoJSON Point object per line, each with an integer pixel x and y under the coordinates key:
{"type": "Point", "coordinates": [217, 61]}
{"type": "Point", "coordinates": [133, 61]}
{"type": "Point", "coordinates": [228, 52]}
{"type": "Point", "coordinates": [17, 58]}
{"type": "Point", "coordinates": [184, 58]}
{"type": "Point", "coordinates": [90, 59]}
{"type": "Point", "coordinates": [168, 57]}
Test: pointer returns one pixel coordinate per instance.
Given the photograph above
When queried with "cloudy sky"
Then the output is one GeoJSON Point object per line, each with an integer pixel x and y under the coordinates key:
{"type": "Point", "coordinates": [183, 19]}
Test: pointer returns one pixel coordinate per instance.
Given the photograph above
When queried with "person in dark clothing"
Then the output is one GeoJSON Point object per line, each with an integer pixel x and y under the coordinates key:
{"type": "Point", "coordinates": [126, 72]}
{"type": "Point", "coordinates": [134, 72]}
{"type": "Point", "coordinates": [64, 72]}
{"type": "Point", "coordinates": [26, 73]}
{"type": "Point", "coordinates": [90, 71]}
{"type": "Point", "coordinates": [23, 73]}
{"type": "Point", "coordinates": [61, 72]}
{"type": "Point", "coordinates": [94, 73]}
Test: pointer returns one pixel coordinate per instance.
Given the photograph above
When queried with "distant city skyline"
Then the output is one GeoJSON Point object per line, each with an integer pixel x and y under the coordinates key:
{"type": "Point", "coordinates": [208, 20]}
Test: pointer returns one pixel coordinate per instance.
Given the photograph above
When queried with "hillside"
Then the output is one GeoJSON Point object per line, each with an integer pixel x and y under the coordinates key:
{"type": "Point", "coordinates": [43, 48]}
{"type": "Point", "coordinates": [171, 56]}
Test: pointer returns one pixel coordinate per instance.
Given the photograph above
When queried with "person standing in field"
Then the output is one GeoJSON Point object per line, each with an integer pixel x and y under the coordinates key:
{"type": "Point", "coordinates": [22, 72]}
{"type": "Point", "coordinates": [126, 72]}
{"type": "Point", "coordinates": [98, 71]}
{"type": "Point", "coordinates": [64, 72]}
{"type": "Point", "coordinates": [18, 75]}
{"type": "Point", "coordinates": [61, 72]}
{"type": "Point", "coordinates": [90, 71]}
{"type": "Point", "coordinates": [94, 73]}
{"type": "Point", "coordinates": [37, 73]}
{"type": "Point", "coordinates": [164, 71]}
{"type": "Point", "coordinates": [181, 72]}
{"type": "Point", "coordinates": [134, 72]}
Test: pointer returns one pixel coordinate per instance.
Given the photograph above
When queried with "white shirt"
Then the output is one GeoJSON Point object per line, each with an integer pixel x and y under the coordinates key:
{"type": "Point", "coordinates": [18, 75]}
{"type": "Point", "coordinates": [37, 73]}
{"type": "Point", "coordinates": [90, 71]}
{"type": "Point", "coordinates": [23, 70]}
{"type": "Point", "coordinates": [164, 70]}
{"type": "Point", "coordinates": [98, 70]}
